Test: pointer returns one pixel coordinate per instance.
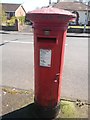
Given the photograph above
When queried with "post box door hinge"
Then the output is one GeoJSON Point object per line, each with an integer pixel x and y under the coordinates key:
{"type": "Point", "coordinates": [57, 78]}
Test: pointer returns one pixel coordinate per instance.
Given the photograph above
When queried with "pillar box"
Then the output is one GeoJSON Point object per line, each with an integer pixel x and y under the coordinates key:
{"type": "Point", "coordinates": [50, 28]}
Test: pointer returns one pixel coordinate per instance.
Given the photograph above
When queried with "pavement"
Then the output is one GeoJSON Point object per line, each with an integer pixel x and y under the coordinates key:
{"type": "Point", "coordinates": [18, 103]}
{"type": "Point", "coordinates": [86, 35]}
{"type": "Point", "coordinates": [31, 32]}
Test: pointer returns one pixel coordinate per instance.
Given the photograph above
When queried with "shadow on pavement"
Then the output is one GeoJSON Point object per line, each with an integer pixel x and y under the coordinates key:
{"type": "Point", "coordinates": [25, 112]}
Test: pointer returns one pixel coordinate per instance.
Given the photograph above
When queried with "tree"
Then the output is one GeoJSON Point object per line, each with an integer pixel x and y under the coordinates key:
{"type": "Point", "coordinates": [3, 16]}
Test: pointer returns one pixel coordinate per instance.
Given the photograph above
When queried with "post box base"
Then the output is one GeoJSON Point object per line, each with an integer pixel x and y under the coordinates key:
{"type": "Point", "coordinates": [44, 112]}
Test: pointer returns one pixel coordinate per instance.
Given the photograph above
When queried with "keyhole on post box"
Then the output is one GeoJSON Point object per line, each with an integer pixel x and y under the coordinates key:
{"type": "Point", "coordinates": [57, 78]}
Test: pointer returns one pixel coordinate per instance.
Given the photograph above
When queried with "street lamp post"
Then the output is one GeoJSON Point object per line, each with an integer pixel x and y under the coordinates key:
{"type": "Point", "coordinates": [49, 2]}
{"type": "Point", "coordinates": [57, 1]}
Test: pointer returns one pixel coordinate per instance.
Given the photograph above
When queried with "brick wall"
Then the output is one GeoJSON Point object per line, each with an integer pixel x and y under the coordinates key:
{"type": "Point", "coordinates": [20, 12]}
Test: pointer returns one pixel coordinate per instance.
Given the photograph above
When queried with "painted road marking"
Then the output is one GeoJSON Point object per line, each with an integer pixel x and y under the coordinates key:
{"type": "Point", "coordinates": [22, 42]}
{"type": "Point", "coordinates": [19, 42]}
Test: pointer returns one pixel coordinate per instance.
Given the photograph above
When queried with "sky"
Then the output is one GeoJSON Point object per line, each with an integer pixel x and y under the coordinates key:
{"type": "Point", "coordinates": [30, 5]}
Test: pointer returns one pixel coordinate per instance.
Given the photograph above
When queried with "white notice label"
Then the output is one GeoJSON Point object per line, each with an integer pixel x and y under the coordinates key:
{"type": "Point", "coordinates": [45, 57]}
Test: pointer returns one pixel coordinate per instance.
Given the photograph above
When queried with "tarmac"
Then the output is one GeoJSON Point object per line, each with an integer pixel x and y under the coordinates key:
{"type": "Point", "coordinates": [18, 103]}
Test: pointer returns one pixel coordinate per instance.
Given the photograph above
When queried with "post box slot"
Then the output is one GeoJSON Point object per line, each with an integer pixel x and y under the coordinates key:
{"type": "Point", "coordinates": [44, 39]}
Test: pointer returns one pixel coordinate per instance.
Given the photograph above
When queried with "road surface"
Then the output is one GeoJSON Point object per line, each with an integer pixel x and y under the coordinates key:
{"type": "Point", "coordinates": [17, 64]}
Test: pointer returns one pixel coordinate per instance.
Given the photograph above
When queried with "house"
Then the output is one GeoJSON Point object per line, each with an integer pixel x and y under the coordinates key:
{"type": "Point", "coordinates": [11, 10]}
{"type": "Point", "coordinates": [80, 9]}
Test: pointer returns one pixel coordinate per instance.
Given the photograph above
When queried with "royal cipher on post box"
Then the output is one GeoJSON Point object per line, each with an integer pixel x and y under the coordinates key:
{"type": "Point", "coordinates": [50, 28]}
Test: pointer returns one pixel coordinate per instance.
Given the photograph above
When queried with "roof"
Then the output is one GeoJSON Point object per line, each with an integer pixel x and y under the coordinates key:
{"type": "Point", "coordinates": [10, 7]}
{"type": "Point", "coordinates": [75, 6]}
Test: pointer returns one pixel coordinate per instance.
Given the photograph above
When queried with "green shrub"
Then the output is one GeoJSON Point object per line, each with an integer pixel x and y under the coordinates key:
{"type": "Point", "coordinates": [21, 20]}
{"type": "Point", "coordinates": [3, 16]}
{"type": "Point", "coordinates": [11, 22]}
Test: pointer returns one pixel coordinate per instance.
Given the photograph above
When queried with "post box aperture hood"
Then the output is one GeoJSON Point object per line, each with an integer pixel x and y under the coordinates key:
{"type": "Point", "coordinates": [50, 15]}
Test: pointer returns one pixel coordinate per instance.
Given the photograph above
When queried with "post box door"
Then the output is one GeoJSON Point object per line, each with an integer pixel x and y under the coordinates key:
{"type": "Point", "coordinates": [48, 70]}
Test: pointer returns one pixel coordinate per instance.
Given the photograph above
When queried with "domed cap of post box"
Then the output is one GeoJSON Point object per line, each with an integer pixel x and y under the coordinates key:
{"type": "Point", "coordinates": [50, 15]}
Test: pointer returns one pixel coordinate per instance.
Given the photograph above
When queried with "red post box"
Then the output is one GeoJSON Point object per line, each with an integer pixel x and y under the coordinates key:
{"type": "Point", "coordinates": [50, 28]}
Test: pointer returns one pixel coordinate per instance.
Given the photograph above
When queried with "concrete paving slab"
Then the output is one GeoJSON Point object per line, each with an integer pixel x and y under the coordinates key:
{"type": "Point", "coordinates": [17, 103]}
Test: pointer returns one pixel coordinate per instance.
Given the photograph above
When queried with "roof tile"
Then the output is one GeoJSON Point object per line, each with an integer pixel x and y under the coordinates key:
{"type": "Point", "coordinates": [72, 6]}
{"type": "Point", "coordinates": [10, 7]}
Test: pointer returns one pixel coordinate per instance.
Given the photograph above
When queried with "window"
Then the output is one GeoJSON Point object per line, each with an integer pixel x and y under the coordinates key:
{"type": "Point", "coordinates": [8, 15]}
{"type": "Point", "coordinates": [12, 14]}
